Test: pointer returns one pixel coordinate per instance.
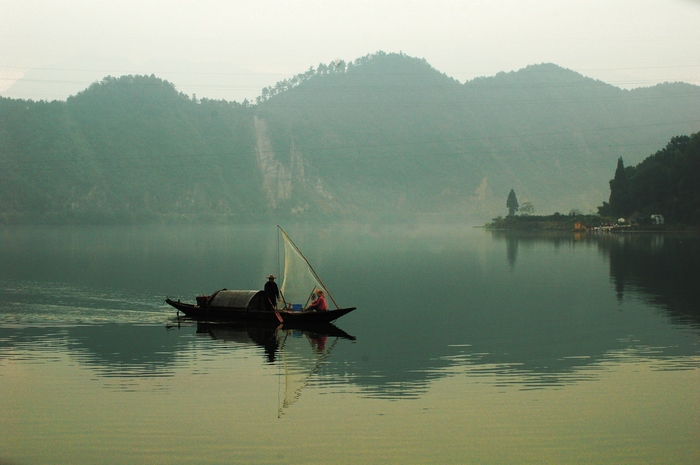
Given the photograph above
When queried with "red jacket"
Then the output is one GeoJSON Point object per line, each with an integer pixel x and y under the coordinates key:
{"type": "Point", "coordinates": [320, 303]}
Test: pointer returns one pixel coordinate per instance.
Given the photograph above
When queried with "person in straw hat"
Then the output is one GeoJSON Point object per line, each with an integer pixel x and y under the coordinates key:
{"type": "Point", "coordinates": [272, 292]}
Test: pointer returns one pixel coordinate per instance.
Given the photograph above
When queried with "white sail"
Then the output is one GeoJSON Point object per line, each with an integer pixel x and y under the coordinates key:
{"type": "Point", "coordinates": [299, 280]}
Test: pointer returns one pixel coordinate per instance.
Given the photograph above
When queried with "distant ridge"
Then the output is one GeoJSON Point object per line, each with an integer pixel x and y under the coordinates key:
{"type": "Point", "coordinates": [385, 137]}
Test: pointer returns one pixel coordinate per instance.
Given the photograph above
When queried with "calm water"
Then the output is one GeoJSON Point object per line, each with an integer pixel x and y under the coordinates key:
{"type": "Point", "coordinates": [470, 347]}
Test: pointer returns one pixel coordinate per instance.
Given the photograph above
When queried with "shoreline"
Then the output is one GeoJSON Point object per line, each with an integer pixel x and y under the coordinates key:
{"type": "Point", "coordinates": [581, 224]}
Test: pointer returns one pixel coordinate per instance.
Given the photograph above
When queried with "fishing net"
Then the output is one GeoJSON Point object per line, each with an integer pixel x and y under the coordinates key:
{"type": "Point", "coordinates": [300, 281]}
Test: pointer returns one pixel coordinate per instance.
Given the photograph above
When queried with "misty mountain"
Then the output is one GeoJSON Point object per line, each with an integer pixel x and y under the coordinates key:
{"type": "Point", "coordinates": [384, 137]}
{"type": "Point", "coordinates": [69, 76]}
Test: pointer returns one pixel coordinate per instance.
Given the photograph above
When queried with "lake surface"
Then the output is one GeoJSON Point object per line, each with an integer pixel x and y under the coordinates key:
{"type": "Point", "coordinates": [469, 347]}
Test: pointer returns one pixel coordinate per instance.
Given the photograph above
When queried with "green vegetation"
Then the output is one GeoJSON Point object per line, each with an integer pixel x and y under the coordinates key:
{"type": "Point", "coordinates": [527, 208]}
{"type": "Point", "coordinates": [571, 222]}
{"type": "Point", "coordinates": [666, 183]}
{"type": "Point", "coordinates": [385, 136]}
{"type": "Point", "coordinates": [512, 203]}
{"type": "Point", "coordinates": [125, 149]}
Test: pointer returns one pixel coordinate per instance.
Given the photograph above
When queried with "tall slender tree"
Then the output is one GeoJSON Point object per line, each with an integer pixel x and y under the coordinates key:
{"type": "Point", "coordinates": [620, 200]}
{"type": "Point", "coordinates": [512, 203]}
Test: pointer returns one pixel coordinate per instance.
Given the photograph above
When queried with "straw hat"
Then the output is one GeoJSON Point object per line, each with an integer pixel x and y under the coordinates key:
{"type": "Point", "coordinates": [271, 277]}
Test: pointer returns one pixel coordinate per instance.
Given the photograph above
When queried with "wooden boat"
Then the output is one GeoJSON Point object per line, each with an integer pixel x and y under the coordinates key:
{"type": "Point", "coordinates": [220, 306]}
{"type": "Point", "coordinates": [300, 282]}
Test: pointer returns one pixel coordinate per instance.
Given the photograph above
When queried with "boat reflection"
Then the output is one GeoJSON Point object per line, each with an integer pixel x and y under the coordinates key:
{"type": "Point", "coordinates": [298, 349]}
{"type": "Point", "coordinates": [270, 337]}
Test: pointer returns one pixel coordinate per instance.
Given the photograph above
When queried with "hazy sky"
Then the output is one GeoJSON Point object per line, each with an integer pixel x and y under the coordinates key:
{"type": "Point", "coordinates": [231, 49]}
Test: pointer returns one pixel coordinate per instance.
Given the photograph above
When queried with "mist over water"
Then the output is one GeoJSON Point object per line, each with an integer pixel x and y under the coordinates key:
{"type": "Point", "coordinates": [455, 327]}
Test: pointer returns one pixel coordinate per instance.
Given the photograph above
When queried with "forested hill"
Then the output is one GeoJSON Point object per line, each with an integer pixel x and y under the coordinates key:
{"type": "Point", "coordinates": [666, 183]}
{"type": "Point", "coordinates": [127, 149]}
{"type": "Point", "coordinates": [384, 137]}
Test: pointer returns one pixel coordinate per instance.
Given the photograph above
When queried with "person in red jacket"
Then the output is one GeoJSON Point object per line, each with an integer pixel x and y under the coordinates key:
{"type": "Point", "coordinates": [320, 303]}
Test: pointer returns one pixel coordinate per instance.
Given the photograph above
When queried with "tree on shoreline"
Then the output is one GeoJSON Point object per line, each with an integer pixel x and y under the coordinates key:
{"type": "Point", "coordinates": [512, 203]}
{"type": "Point", "coordinates": [665, 183]}
{"type": "Point", "coordinates": [620, 200]}
{"type": "Point", "coordinates": [527, 208]}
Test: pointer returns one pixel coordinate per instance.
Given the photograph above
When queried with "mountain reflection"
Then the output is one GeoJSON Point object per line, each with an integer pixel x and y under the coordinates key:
{"type": "Point", "coordinates": [515, 239]}
{"type": "Point", "coordinates": [120, 350]}
{"type": "Point", "coordinates": [664, 268]}
{"type": "Point", "coordinates": [133, 351]}
{"type": "Point", "coordinates": [111, 350]}
{"type": "Point", "coordinates": [525, 310]}
{"type": "Point", "coordinates": [549, 317]}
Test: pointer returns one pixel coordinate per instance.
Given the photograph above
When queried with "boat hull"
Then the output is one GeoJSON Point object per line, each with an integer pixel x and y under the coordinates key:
{"type": "Point", "coordinates": [236, 314]}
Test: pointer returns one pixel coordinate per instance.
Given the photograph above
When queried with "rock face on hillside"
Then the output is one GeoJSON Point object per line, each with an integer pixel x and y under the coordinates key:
{"type": "Point", "coordinates": [384, 137]}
